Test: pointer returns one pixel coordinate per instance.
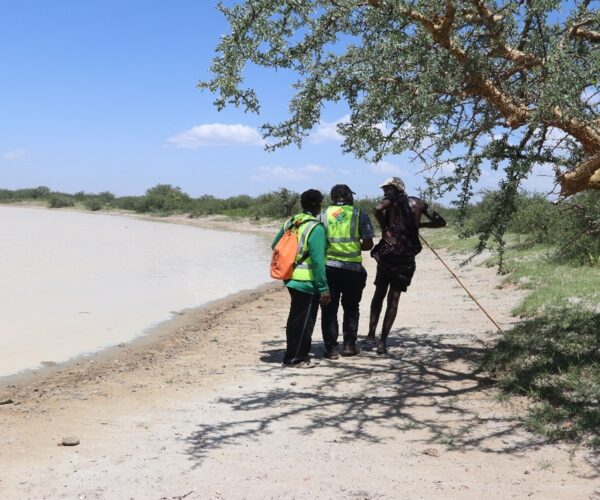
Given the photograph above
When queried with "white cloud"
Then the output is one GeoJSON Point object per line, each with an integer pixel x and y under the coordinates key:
{"type": "Point", "coordinates": [327, 131]}
{"type": "Point", "coordinates": [217, 134]}
{"type": "Point", "coordinates": [314, 168]}
{"type": "Point", "coordinates": [15, 155]}
{"type": "Point", "coordinates": [385, 167]}
{"type": "Point", "coordinates": [280, 172]}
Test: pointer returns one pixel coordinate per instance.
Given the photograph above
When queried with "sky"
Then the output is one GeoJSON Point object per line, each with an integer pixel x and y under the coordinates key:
{"type": "Point", "coordinates": [100, 95]}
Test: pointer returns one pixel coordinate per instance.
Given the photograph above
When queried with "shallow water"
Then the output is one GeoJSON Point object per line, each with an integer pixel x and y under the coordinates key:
{"type": "Point", "coordinates": [74, 283]}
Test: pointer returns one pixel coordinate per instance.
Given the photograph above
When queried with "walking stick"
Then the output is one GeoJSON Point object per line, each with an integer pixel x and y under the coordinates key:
{"type": "Point", "coordinates": [461, 284]}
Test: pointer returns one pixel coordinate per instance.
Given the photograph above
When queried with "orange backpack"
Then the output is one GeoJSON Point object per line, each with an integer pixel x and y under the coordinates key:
{"type": "Point", "coordinates": [284, 254]}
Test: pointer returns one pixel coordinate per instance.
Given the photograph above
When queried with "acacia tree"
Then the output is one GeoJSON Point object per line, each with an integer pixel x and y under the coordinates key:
{"type": "Point", "coordinates": [514, 83]}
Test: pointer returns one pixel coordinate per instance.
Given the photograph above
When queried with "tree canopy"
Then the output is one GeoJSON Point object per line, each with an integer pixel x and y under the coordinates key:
{"type": "Point", "coordinates": [460, 83]}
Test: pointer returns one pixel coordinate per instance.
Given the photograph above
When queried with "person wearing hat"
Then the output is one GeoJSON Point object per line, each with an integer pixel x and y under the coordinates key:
{"type": "Point", "coordinates": [308, 284]}
{"type": "Point", "coordinates": [349, 232]}
{"type": "Point", "coordinates": [399, 216]}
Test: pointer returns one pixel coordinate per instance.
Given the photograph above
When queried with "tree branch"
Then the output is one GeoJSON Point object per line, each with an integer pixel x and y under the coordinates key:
{"type": "Point", "coordinates": [585, 176]}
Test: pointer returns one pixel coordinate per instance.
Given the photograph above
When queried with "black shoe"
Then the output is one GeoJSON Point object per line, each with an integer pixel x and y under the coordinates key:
{"type": "Point", "coordinates": [350, 350]}
{"type": "Point", "coordinates": [381, 347]}
{"type": "Point", "coordinates": [332, 353]}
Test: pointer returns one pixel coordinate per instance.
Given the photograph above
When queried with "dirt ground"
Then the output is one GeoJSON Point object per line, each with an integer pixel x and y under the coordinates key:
{"type": "Point", "coordinates": [203, 409]}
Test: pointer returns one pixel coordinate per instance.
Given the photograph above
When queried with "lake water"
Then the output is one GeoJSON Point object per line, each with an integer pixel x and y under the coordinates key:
{"type": "Point", "coordinates": [74, 283]}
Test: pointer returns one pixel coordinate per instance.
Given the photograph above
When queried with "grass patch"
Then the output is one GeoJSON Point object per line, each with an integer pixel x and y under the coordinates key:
{"type": "Point", "coordinates": [555, 359]}
{"type": "Point", "coordinates": [552, 284]}
{"type": "Point", "coordinates": [553, 356]}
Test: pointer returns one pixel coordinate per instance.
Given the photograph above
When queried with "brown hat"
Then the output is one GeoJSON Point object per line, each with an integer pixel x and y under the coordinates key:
{"type": "Point", "coordinates": [394, 181]}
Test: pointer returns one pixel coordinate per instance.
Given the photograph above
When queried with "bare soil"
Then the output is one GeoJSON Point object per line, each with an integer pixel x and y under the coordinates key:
{"type": "Point", "coordinates": [203, 409]}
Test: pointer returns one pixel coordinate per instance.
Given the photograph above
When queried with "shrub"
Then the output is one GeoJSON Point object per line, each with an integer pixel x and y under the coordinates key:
{"type": "Point", "coordinates": [93, 204]}
{"type": "Point", "coordinates": [59, 201]}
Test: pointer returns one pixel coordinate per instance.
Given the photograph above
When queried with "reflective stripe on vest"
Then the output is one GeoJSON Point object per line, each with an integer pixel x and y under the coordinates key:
{"type": "Point", "coordinates": [342, 225]}
{"type": "Point", "coordinates": [303, 267]}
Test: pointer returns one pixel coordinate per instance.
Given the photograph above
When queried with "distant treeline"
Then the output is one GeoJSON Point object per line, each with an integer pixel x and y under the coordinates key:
{"type": "Point", "coordinates": [166, 199]}
{"type": "Point", "coordinates": [571, 228]}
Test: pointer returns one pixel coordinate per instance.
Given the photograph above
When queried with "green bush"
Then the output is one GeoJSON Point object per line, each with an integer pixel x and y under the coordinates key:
{"type": "Point", "coordinates": [57, 201]}
{"type": "Point", "coordinates": [164, 198]}
{"type": "Point", "coordinates": [93, 204]}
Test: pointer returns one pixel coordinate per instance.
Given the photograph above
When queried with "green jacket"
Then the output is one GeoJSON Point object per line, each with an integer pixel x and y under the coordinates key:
{"type": "Point", "coordinates": [317, 245]}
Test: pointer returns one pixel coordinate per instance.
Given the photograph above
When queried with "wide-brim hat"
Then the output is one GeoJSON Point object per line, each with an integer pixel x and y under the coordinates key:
{"type": "Point", "coordinates": [394, 181]}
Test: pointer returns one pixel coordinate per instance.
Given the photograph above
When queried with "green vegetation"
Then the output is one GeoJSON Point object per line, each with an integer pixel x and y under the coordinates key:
{"type": "Point", "coordinates": [553, 356]}
{"type": "Point", "coordinates": [555, 359]}
{"type": "Point", "coordinates": [466, 86]}
{"type": "Point", "coordinates": [164, 199]}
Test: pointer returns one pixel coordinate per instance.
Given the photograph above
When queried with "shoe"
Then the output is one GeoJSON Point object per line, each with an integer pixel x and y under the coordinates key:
{"type": "Point", "coordinates": [303, 364]}
{"type": "Point", "coordinates": [332, 353]}
{"type": "Point", "coordinates": [350, 350]}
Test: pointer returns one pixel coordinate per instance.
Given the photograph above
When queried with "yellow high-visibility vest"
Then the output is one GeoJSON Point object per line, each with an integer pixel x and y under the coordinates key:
{"type": "Point", "coordinates": [303, 266]}
{"type": "Point", "coordinates": [342, 226]}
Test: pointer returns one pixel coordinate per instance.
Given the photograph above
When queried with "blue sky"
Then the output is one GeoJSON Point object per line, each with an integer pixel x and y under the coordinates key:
{"type": "Point", "coordinates": [101, 96]}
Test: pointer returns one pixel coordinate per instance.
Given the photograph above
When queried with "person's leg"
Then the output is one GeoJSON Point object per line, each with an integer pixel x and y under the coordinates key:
{"type": "Point", "coordinates": [329, 312]}
{"type": "Point", "coordinates": [309, 326]}
{"type": "Point", "coordinates": [393, 299]}
{"type": "Point", "coordinates": [381, 288]}
{"type": "Point", "coordinates": [298, 319]}
{"type": "Point", "coordinates": [353, 285]}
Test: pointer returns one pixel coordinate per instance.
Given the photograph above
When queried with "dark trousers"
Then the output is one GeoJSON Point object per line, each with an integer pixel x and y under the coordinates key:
{"type": "Point", "coordinates": [300, 326]}
{"type": "Point", "coordinates": [347, 285]}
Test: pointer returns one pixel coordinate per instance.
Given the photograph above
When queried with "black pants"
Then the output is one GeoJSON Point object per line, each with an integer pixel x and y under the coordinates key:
{"type": "Point", "coordinates": [300, 326]}
{"type": "Point", "coordinates": [347, 285]}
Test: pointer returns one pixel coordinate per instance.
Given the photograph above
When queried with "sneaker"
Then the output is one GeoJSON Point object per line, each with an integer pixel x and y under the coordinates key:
{"type": "Point", "coordinates": [332, 353]}
{"type": "Point", "coordinates": [350, 350]}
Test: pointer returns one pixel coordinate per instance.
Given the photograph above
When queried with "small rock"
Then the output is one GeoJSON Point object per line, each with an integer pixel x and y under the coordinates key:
{"type": "Point", "coordinates": [70, 441]}
{"type": "Point", "coordinates": [432, 452]}
{"type": "Point", "coordinates": [526, 472]}
{"type": "Point", "coordinates": [5, 400]}
{"type": "Point", "coordinates": [293, 383]}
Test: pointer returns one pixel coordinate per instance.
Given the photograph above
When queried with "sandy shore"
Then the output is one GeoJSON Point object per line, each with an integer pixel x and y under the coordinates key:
{"type": "Point", "coordinates": [202, 409]}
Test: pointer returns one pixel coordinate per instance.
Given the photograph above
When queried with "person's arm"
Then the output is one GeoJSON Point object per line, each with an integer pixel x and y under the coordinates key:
{"type": "Point", "coordinates": [435, 219]}
{"type": "Point", "coordinates": [380, 214]}
{"type": "Point", "coordinates": [317, 244]}
{"type": "Point", "coordinates": [365, 231]}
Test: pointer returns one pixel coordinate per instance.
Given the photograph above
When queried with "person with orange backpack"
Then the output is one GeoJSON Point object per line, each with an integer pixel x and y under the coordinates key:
{"type": "Point", "coordinates": [307, 284]}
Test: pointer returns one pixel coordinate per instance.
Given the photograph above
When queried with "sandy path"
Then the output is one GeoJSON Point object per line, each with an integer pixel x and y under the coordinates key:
{"type": "Point", "coordinates": [204, 410]}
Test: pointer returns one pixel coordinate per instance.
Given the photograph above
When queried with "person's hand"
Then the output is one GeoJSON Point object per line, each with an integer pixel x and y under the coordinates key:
{"type": "Point", "coordinates": [325, 298]}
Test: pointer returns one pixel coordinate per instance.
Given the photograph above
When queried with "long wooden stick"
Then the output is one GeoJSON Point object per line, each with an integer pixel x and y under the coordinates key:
{"type": "Point", "coordinates": [461, 284]}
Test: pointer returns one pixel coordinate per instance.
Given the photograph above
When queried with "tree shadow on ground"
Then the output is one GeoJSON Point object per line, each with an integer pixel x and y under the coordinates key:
{"type": "Point", "coordinates": [425, 384]}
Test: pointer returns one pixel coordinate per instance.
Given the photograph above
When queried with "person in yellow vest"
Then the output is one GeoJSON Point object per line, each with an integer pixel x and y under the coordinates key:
{"type": "Point", "coordinates": [349, 232]}
{"type": "Point", "coordinates": [308, 285]}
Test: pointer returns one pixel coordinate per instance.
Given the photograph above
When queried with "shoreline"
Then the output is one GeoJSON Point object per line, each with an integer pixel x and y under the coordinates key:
{"type": "Point", "coordinates": [153, 334]}
{"type": "Point", "coordinates": [26, 381]}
